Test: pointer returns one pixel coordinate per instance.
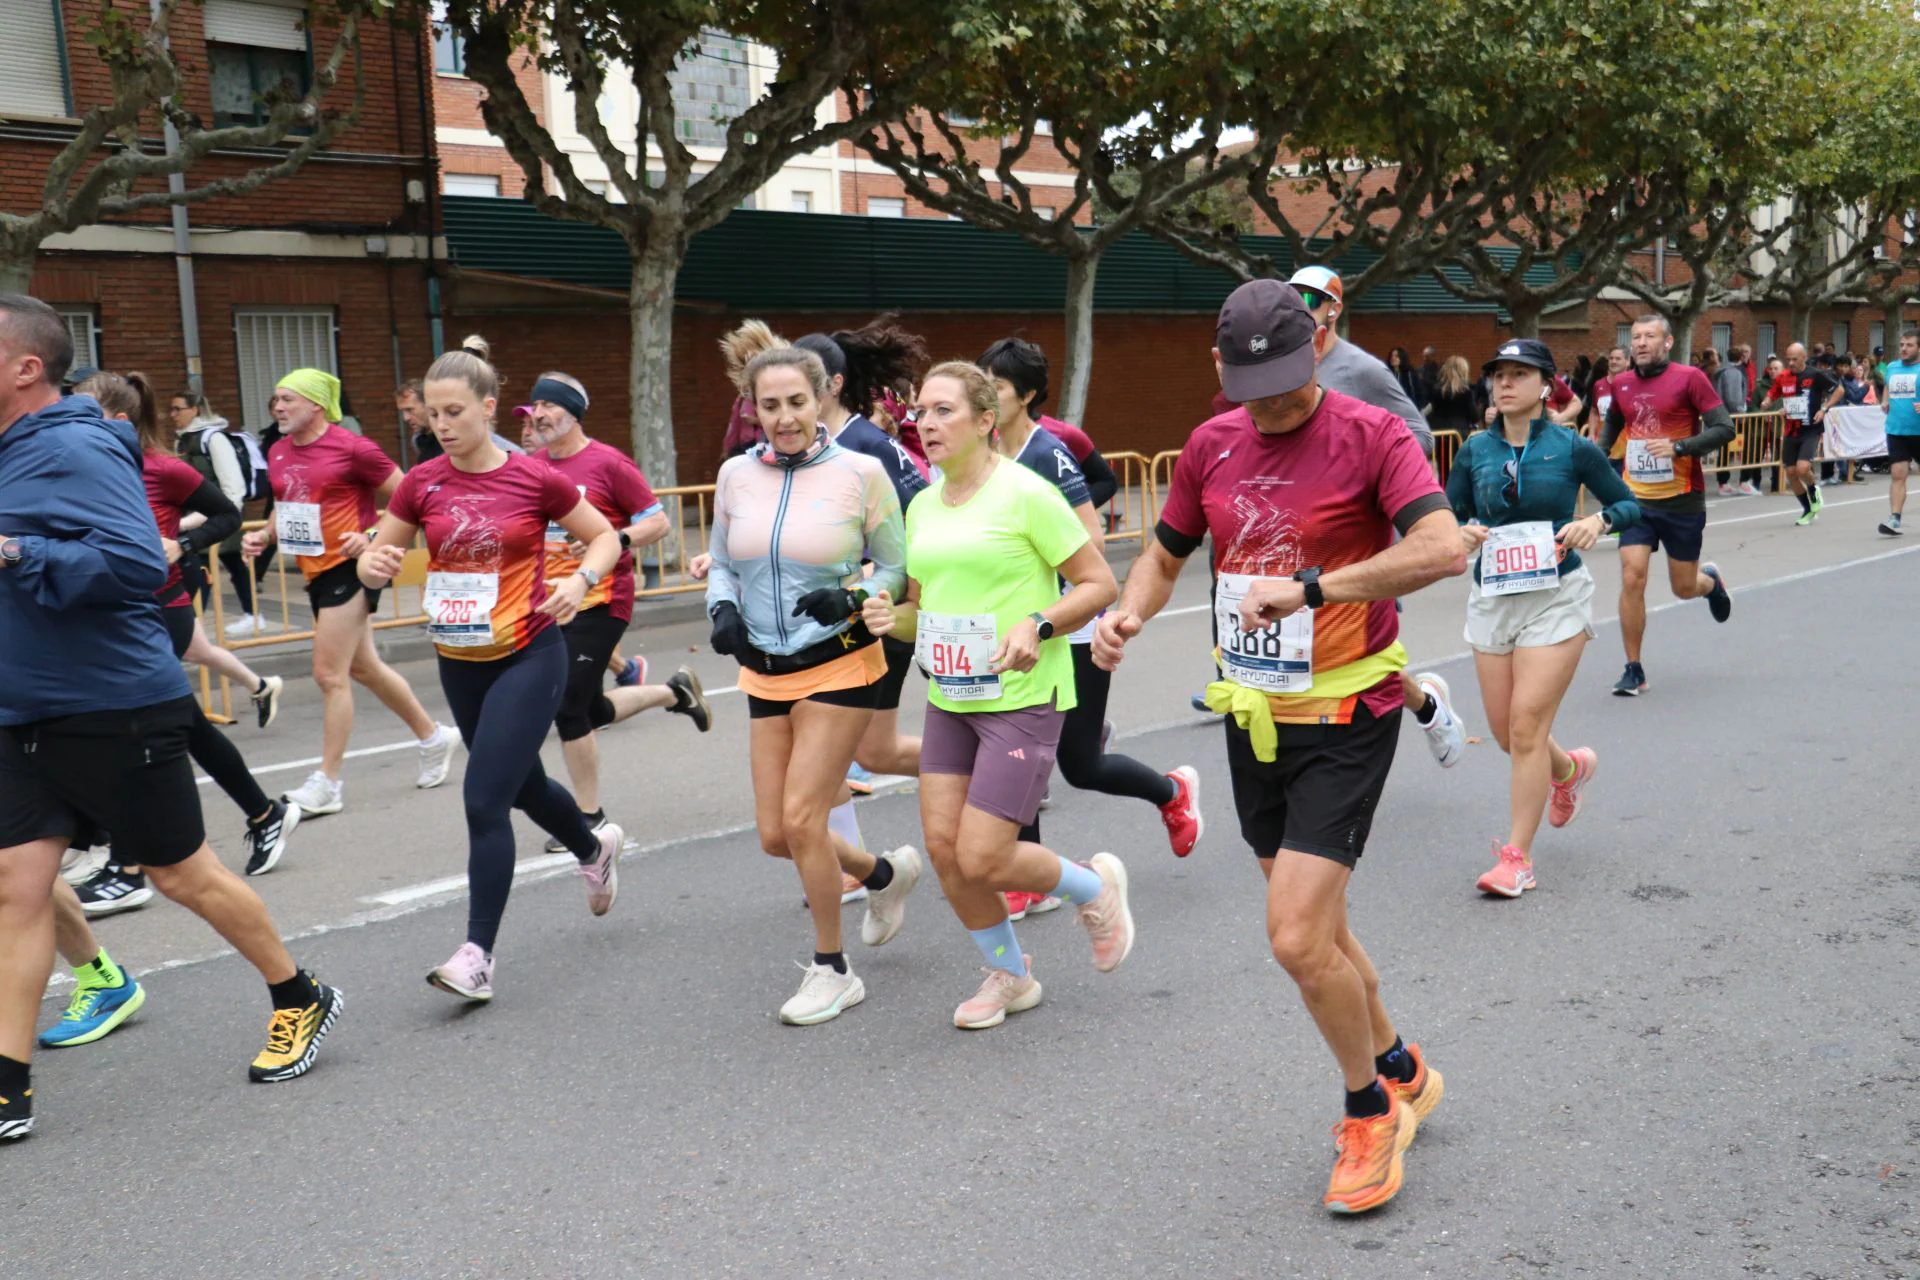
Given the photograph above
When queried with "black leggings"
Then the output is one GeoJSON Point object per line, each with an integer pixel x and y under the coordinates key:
{"type": "Point", "coordinates": [591, 638]}
{"type": "Point", "coordinates": [1082, 763]}
{"type": "Point", "coordinates": [504, 709]}
{"type": "Point", "coordinates": [211, 749]}
{"type": "Point", "coordinates": [236, 566]}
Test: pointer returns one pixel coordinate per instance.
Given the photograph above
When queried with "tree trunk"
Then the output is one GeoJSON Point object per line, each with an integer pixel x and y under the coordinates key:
{"type": "Point", "coordinates": [1894, 321]}
{"type": "Point", "coordinates": [1800, 325]}
{"type": "Point", "coordinates": [650, 357]}
{"type": "Point", "coordinates": [1683, 336]}
{"type": "Point", "coordinates": [16, 271]}
{"type": "Point", "coordinates": [1077, 368]}
{"type": "Point", "coordinates": [1526, 318]}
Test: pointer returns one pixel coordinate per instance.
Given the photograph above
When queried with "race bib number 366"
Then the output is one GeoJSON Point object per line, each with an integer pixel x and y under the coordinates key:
{"type": "Point", "coordinates": [297, 524]}
{"type": "Point", "coordinates": [1278, 658]}
{"type": "Point", "coordinates": [957, 649]}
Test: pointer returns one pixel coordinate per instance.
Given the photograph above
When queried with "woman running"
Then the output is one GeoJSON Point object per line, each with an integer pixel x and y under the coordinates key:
{"type": "Point", "coordinates": [1019, 372]}
{"type": "Point", "coordinates": [987, 546]}
{"type": "Point", "coordinates": [1530, 610]}
{"type": "Point", "coordinates": [503, 666]}
{"type": "Point", "coordinates": [327, 485]}
{"type": "Point", "coordinates": [793, 519]}
{"type": "Point", "coordinates": [179, 495]}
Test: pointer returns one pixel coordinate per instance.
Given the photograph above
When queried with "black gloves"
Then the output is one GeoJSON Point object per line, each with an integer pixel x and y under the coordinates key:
{"type": "Point", "coordinates": [729, 630]}
{"type": "Point", "coordinates": [830, 606]}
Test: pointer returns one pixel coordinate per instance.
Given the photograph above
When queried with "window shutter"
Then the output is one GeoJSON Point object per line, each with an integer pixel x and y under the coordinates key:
{"type": "Point", "coordinates": [271, 342]}
{"type": "Point", "coordinates": [33, 78]}
{"type": "Point", "coordinates": [80, 328]}
{"type": "Point", "coordinates": [258, 24]}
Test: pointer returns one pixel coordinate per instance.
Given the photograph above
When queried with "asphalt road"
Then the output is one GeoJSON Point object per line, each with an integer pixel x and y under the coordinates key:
{"type": "Point", "coordinates": [1693, 1051]}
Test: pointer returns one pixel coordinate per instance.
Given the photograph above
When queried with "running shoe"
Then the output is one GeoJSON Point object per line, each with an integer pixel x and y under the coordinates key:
{"type": "Point", "coordinates": [1017, 901]}
{"type": "Point", "coordinates": [1632, 682]}
{"type": "Point", "coordinates": [1806, 518]}
{"type": "Point", "coordinates": [633, 675]}
{"type": "Point", "coordinates": [113, 889]}
{"type": "Point", "coordinates": [1719, 600]}
{"type": "Point", "coordinates": [1891, 527]}
{"type": "Point", "coordinates": [1748, 489]}
{"type": "Point", "coordinates": [16, 1115]}
{"type": "Point", "coordinates": [851, 890]}
{"type": "Point", "coordinates": [1446, 732]}
{"type": "Point", "coordinates": [318, 795]}
{"type": "Point", "coordinates": [603, 873]}
{"type": "Point", "coordinates": [1107, 919]}
{"type": "Point", "coordinates": [887, 908]}
{"type": "Point", "coordinates": [1424, 1091]}
{"type": "Point", "coordinates": [1046, 797]}
{"type": "Point", "coordinates": [94, 1010]}
{"type": "Point", "coordinates": [1564, 805]}
{"type": "Point", "coordinates": [555, 844]}
{"type": "Point", "coordinates": [78, 865]}
{"type": "Point", "coordinates": [1727, 490]}
{"type": "Point", "coordinates": [859, 779]}
{"type": "Point", "coordinates": [266, 699]}
{"type": "Point", "coordinates": [1818, 502]}
{"type": "Point", "coordinates": [436, 756]}
{"type": "Point", "coordinates": [294, 1036]}
{"type": "Point", "coordinates": [247, 624]}
{"type": "Point", "coordinates": [1511, 876]}
{"type": "Point", "coordinates": [1001, 994]}
{"type": "Point", "coordinates": [1367, 1172]}
{"type": "Point", "coordinates": [1181, 815]}
{"type": "Point", "coordinates": [266, 843]}
{"type": "Point", "coordinates": [825, 994]}
{"type": "Point", "coordinates": [1199, 703]}
{"type": "Point", "coordinates": [692, 700]}
{"type": "Point", "coordinates": [1040, 904]}
{"type": "Point", "coordinates": [467, 974]}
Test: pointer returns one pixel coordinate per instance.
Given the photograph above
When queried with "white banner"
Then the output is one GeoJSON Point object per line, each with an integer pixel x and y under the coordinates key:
{"type": "Point", "coordinates": [1856, 431]}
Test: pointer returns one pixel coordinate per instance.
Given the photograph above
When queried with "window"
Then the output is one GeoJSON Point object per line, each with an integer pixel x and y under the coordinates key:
{"type": "Point", "coordinates": [85, 331]}
{"type": "Point", "coordinates": [474, 184]}
{"type": "Point", "coordinates": [886, 207]}
{"type": "Point", "coordinates": [1722, 338]}
{"type": "Point", "coordinates": [801, 202]}
{"type": "Point", "coordinates": [711, 86]}
{"type": "Point", "coordinates": [1044, 213]}
{"type": "Point", "coordinates": [1767, 344]}
{"type": "Point", "coordinates": [256, 50]}
{"type": "Point", "coordinates": [271, 341]}
{"type": "Point", "coordinates": [33, 65]}
{"type": "Point", "coordinates": [1876, 336]}
{"type": "Point", "coordinates": [1622, 334]}
{"type": "Point", "coordinates": [1842, 331]}
{"type": "Point", "coordinates": [449, 50]}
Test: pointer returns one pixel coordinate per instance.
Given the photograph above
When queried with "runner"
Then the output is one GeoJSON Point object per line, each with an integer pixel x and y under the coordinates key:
{"type": "Point", "coordinates": [1671, 419]}
{"type": "Point", "coordinates": [1804, 394]}
{"type": "Point", "coordinates": [793, 519]}
{"type": "Point", "coordinates": [1903, 426]}
{"type": "Point", "coordinates": [1530, 609]}
{"type": "Point", "coordinates": [503, 668]}
{"type": "Point", "coordinates": [327, 483]}
{"type": "Point", "coordinates": [95, 713]}
{"type": "Point", "coordinates": [612, 484]}
{"type": "Point", "coordinates": [1019, 372]}
{"type": "Point", "coordinates": [1309, 570]}
{"type": "Point", "coordinates": [177, 495]}
{"type": "Point", "coordinates": [987, 545]}
{"type": "Point", "coordinates": [1352, 372]}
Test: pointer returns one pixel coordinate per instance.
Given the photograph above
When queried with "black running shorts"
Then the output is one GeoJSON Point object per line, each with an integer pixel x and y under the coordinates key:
{"type": "Point", "coordinates": [1319, 793]}
{"type": "Point", "coordinates": [1903, 448]}
{"type": "Point", "coordinates": [591, 638]}
{"type": "Point", "coordinates": [338, 586]}
{"type": "Point", "coordinates": [899, 662]}
{"type": "Point", "coordinates": [1801, 448]}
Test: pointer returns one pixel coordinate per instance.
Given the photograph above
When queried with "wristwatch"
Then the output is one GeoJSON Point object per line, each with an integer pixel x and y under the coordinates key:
{"type": "Point", "coordinates": [1042, 624]}
{"type": "Point", "coordinates": [593, 579]}
{"type": "Point", "coordinates": [1309, 580]}
{"type": "Point", "coordinates": [626, 540]}
{"type": "Point", "coordinates": [10, 550]}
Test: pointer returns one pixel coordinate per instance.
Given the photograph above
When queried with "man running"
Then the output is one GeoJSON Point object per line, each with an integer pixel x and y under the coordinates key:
{"type": "Point", "coordinates": [94, 712]}
{"type": "Point", "coordinates": [1353, 372]}
{"type": "Point", "coordinates": [1805, 394]}
{"type": "Point", "coordinates": [1903, 425]}
{"type": "Point", "coordinates": [1671, 419]}
{"type": "Point", "coordinates": [1302, 490]}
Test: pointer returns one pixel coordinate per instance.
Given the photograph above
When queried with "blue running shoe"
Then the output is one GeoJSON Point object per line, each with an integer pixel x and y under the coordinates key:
{"type": "Point", "coordinates": [634, 674]}
{"type": "Point", "coordinates": [93, 1012]}
{"type": "Point", "coordinates": [859, 779]}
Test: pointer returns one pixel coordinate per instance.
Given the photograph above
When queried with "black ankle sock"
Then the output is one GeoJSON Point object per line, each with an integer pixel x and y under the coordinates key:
{"type": "Point", "coordinates": [1425, 714]}
{"type": "Point", "coordinates": [1370, 1101]}
{"type": "Point", "coordinates": [834, 960]}
{"type": "Point", "coordinates": [595, 818]}
{"type": "Point", "coordinates": [1806, 503]}
{"type": "Point", "coordinates": [296, 992]}
{"type": "Point", "coordinates": [1396, 1063]}
{"type": "Point", "coordinates": [880, 877]}
{"type": "Point", "coordinates": [14, 1077]}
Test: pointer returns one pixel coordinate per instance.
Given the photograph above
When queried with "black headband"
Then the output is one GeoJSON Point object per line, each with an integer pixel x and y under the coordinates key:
{"type": "Point", "coordinates": [553, 391]}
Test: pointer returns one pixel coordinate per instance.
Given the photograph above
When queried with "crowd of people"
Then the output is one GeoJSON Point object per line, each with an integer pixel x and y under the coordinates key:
{"type": "Point", "coordinates": [873, 516]}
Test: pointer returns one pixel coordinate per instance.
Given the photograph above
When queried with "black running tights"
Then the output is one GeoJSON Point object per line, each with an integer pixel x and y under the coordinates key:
{"type": "Point", "coordinates": [1082, 763]}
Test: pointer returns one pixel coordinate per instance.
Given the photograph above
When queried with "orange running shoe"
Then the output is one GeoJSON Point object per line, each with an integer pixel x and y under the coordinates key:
{"type": "Point", "coordinates": [1367, 1172]}
{"type": "Point", "coordinates": [1564, 806]}
{"type": "Point", "coordinates": [1511, 876]}
{"type": "Point", "coordinates": [1424, 1091]}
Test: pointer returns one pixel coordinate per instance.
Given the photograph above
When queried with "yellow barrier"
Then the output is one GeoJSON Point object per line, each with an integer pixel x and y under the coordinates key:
{"type": "Point", "coordinates": [1446, 447]}
{"type": "Point", "coordinates": [1756, 444]}
{"type": "Point", "coordinates": [1132, 507]}
{"type": "Point", "coordinates": [679, 547]}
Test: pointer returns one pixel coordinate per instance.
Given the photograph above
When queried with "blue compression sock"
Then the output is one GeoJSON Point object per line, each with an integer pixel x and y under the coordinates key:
{"type": "Point", "coordinates": [1078, 885]}
{"type": "Point", "coordinates": [1000, 947]}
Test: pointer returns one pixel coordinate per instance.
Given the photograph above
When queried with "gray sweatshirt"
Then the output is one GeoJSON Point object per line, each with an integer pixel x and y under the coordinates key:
{"type": "Point", "coordinates": [1353, 372]}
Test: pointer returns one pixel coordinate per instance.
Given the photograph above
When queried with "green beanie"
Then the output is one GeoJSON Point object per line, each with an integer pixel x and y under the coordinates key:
{"type": "Point", "coordinates": [316, 385]}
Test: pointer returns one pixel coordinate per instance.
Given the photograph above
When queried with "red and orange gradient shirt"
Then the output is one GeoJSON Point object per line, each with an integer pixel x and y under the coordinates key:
{"type": "Point", "coordinates": [612, 483]}
{"type": "Point", "coordinates": [340, 473]}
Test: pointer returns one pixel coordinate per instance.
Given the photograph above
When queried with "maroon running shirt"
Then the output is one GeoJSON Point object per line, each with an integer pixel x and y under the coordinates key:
{"type": "Point", "coordinates": [613, 484]}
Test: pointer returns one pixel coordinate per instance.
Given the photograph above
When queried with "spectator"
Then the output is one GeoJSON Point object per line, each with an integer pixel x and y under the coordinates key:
{"type": "Point", "coordinates": [1730, 380]}
{"type": "Point", "coordinates": [1854, 387]}
{"type": "Point", "coordinates": [1401, 366]}
{"type": "Point", "coordinates": [411, 401]}
{"type": "Point", "coordinates": [1429, 369]}
{"type": "Point", "coordinates": [1453, 406]}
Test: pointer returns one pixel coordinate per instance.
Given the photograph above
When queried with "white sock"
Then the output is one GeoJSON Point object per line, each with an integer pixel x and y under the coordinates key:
{"type": "Point", "coordinates": [842, 822]}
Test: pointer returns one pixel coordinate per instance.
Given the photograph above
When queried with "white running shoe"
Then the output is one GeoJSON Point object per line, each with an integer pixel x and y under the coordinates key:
{"type": "Point", "coordinates": [468, 973]}
{"type": "Point", "coordinates": [266, 699]}
{"type": "Point", "coordinates": [1446, 735]}
{"type": "Point", "coordinates": [887, 908]}
{"type": "Point", "coordinates": [1748, 489]}
{"type": "Point", "coordinates": [603, 873]}
{"type": "Point", "coordinates": [556, 845]}
{"type": "Point", "coordinates": [78, 865]}
{"type": "Point", "coordinates": [823, 996]}
{"type": "Point", "coordinates": [247, 624]}
{"type": "Point", "coordinates": [436, 756]}
{"type": "Point", "coordinates": [318, 795]}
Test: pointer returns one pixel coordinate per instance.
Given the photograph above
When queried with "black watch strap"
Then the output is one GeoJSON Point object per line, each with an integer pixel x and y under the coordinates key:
{"type": "Point", "coordinates": [1309, 580]}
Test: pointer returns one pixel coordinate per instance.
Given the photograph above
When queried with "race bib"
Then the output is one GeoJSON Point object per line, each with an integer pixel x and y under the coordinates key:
{"type": "Point", "coordinates": [1796, 407]}
{"type": "Point", "coordinates": [1519, 557]}
{"type": "Point", "coordinates": [459, 608]}
{"type": "Point", "coordinates": [1278, 658]}
{"type": "Point", "coordinates": [1644, 467]}
{"type": "Point", "coordinates": [1900, 386]}
{"type": "Point", "coordinates": [298, 526]}
{"type": "Point", "coordinates": [555, 532]}
{"type": "Point", "coordinates": [957, 649]}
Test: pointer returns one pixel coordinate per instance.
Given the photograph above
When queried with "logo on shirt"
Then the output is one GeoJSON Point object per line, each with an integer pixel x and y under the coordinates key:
{"type": "Point", "coordinates": [1062, 464]}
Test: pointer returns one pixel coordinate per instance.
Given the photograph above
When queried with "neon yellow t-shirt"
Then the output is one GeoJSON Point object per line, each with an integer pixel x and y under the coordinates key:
{"type": "Point", "coordinates": [993, 555]}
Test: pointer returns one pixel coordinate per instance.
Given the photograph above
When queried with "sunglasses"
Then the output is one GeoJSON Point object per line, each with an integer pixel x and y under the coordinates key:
{"type": "Point", "coordinates": [1314, 298]}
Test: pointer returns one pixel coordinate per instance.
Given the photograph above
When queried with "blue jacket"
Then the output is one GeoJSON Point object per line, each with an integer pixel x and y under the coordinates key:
{"type": "Point", "coordinates": [79, 628]}
{"type": "Point", "coordinates": [1552, 468]}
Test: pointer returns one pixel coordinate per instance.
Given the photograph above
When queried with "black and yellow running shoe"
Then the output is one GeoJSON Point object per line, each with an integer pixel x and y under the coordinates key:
{"type": "Point", "coordinates": [16, 1114]}
{"type": "Point", "coordinates": [294, 1036]}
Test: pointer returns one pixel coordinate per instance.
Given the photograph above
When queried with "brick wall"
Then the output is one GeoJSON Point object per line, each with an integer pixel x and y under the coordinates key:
{"type": "Point", "coordinates": [456, 103]}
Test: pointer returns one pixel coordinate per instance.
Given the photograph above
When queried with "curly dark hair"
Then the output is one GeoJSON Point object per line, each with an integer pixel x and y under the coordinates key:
{"type": "Point", "coordinates": [879, 356]}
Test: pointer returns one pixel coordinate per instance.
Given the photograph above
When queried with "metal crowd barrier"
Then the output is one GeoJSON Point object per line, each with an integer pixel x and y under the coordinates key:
{"type": "Point", "coordinates": [1446, 447]}
{"type": "Point", "coordinates": [1132, 510]}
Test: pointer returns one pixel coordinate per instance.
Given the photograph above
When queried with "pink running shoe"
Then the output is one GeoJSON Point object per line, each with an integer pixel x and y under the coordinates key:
{"type": "Point", "coordinates": [1182, 813]}
{"type": "Point", "coordinates": [1001, 994]}
{"type": "Point", "coordinates": [1511, 876]}
{"type": "Point", "coordinates": [1018, 900]}
{"type": "Point", "coordinates": [469, 974]}
{"type": "Point", "coordinates": [1564, 807]}
{"type": "Point", "coordinates": [1107, 918]}
{"type": "Point", "coordinates": [603, 873]}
